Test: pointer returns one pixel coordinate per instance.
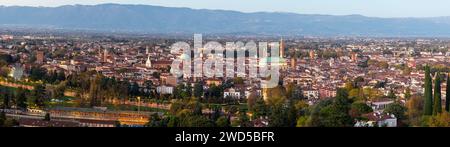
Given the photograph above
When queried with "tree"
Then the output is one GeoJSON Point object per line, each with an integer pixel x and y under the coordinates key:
{"type": "Point", "coordinates": [415, 110]}
{"type": "Point", "coordinates": [196, 107]}
{"type": "Point", "coordinates": [47, 117]}
{"type": "Point", "coordinates": [408, 93]}
{"type": "Point", "coordinates": [349, 85]}
{"type": "Point", "coordinates": [196, 121]}
{"type": "Point", "coordinates": [303, 121]}
{"type": "Point", "coordinates": [276, 95]}
{"type": "Point", "coordinates": [251, 100]}
{"type": "Point", "coordinates": [238, 80]}
{"type": "Point", "coordinates": [21, 98]}
{"type": "Point", "coordinates": [117, 124]}
{"type": "Point", "coordinates": [332, 113]}
{"type": "Point", "coordinates": [2, 118]}
{"type": "Point", "coordinates": [37, 73]}
{"type": "Point", "coordinates": [198, 90]}
{"type": "Point", "coordinates": [293, 92]}
{"type": "Point", "coordinates": [392, 95]}
{"type": "Point", "coordinates": [10, 123]}
{"type": "Point", "coordinates": [173, 121]}
{"type": "Point", "coordinates": [439, 120]}
{"type": "Point", "coordinates": [6, 99]}
{"type": "Point", "coordinates": [93, 91]}
{"type": "Point", "coordinates": [447, 99]}
{"type": "Point", "coordinates": [260, 109]}
{"type": "Point", "coordinates": [278, 116]}
{"type": "Point", "coordinates": [148, 87]}
{"type": "Point", "coordinates": [397, 109]}
{"type": "Point", "coordinates": [244, 121]}
{"type": "Point", "coordinates": [359, 108]}
{"type": "Point", "coordinates": [38, 95]}
{"type": "Point", "coordinates": [428, 104]}
{"type": "Point", "coordinates": [134, 89]}
{"type": "Point", "coordinates": [156, 75]}
{"type": "Point", "coordinates": [223, 121]}
{"type": "Point", "coordinates": [437, 107]}
{"type": "Point", "coordinates": [61, 76]}
{"type": "Point", "coordinates": [155, 121]}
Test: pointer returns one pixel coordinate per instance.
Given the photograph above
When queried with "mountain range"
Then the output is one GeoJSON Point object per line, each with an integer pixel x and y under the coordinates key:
{"type": "Point", "coordinates": [157, 19]}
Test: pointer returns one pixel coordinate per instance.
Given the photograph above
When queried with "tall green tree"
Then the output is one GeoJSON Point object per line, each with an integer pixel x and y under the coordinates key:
{"type": "Point", "coordinates": [2, 118]}
{"type": "Point", "coordinates": [21, 98]}
{"type": "Point", "coordinates": [447, 99]}
{"type": "Point", "coordinates": [198, 90]}
{"type": "Point", "coordinates": [437, 95]}
{"type": "Point", "coordinates": [428, 105]}
{"type": "Point", "coordinates": [38, 95]}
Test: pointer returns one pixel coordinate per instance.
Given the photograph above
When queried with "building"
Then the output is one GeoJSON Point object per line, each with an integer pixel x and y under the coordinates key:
{"type": "Point", "coordinates": [311, 94]}
{"type": "Point", "coordinates": [233, 93]}
{"type": "Point", "coordinates": [293, 63]}
{"type": "Point", "coordinates": [163, 89]}
{"type": "Point", "coordinates": [105, 55]}
{"type": "Point", "coordinates": [161, 64]}
{"type": "Point", "coordinates": [312, 54]}
{"type": "Point", "coordinates": [148, 63]}
{"type": "Point", "coordinates": [40, 57]}
{"type": "Point", "coordinates": [327, 93]}
{"type": "Point", "coordinates": [380, 105]}
{"type": "Point", "coordinates": [376, 119]}
{"type": "Point", "coordinates": [213, 81]}
{"type": "Point", "coordinates": [169, 79]}
{"type": "Point", "coordinates": [7, 37]}
{"type": "Point", "coordinates": [354, 57]}
{"type": "Point", "coordinates": [96, 123]}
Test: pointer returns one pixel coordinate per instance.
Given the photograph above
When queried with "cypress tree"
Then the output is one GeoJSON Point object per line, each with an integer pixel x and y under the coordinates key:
{"type": "Point", "coordinates": [437, 95]}
{"type": "Point", "coordinates": [447, 99]}
{"type": "Point", "coordinates": [428, 110]}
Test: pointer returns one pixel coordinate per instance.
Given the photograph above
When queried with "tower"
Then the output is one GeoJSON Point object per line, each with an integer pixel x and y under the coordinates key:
{"type": "Point", "coordinates": [294, 62]}
{"type": "Point", "coordinates": [40, 57]}
{"type": "Point", "coordinates": [312, 54]}
{"type": "Point", "coordinates": [105, 55]}
{"type": "Point", "coordinates": [354, 57]}
{"type": "Point", "coordinates": [148, 63]}
{"type": "Point", "coordinates": [281, 48]}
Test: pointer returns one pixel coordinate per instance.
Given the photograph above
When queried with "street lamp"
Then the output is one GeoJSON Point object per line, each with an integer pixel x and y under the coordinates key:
{"type": "Point", "coordinates": [139, 104]}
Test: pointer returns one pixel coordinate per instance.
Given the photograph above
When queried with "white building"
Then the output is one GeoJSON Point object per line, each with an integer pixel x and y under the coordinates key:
{"type": "Point", "coordinates": [380, 105]}
{"type": "Point", "coordinates": [311, 94]}
{"type": "Point", "coordinates": [163, 89]}
{"type": "Point", "coordinates": [376, 119]}
{"type": "Point", "coordinates": [231, 92]}
{"type": "Point", "coordinates": [148, 63]}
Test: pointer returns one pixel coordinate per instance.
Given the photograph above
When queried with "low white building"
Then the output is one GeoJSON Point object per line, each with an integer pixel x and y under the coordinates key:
{"type": "Point", "coordinates": [376, 119]}
{"type": "Point", "coordinates": [163, 89]}
{"type": "Point", "coordinates": [311, 94]}
{"type": "Point", "coordinates": [231, 92]}
{"type": "Point", "coordinates": [380, 105]}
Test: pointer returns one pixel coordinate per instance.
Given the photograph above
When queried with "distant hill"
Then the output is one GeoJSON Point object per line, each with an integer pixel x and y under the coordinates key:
{"type": "Point", "coordinates": [155, 19]}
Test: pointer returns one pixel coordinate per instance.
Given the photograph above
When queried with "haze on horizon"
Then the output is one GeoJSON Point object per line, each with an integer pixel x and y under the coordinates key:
{"type": "Point", "coordinates": [378, 8]}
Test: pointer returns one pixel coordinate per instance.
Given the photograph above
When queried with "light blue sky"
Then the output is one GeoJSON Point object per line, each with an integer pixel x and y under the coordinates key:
{"type": "Point", "coordinates": [377, 8]}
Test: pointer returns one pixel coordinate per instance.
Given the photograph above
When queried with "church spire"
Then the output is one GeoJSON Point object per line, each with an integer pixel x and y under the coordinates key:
{"type": "Point", "coordinates": [148, 63]}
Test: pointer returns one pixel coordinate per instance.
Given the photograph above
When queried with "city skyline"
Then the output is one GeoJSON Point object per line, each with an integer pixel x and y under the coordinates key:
{"type": "Point", "coordinates": [381, 8]}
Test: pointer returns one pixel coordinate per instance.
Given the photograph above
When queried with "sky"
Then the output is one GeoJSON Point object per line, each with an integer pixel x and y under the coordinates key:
{"type": "Point", "coordinates": [373, 8]}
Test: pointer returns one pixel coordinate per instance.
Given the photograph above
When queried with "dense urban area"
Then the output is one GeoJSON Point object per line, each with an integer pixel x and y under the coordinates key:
{"type": "Point", "coordinates": [123, 80]}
